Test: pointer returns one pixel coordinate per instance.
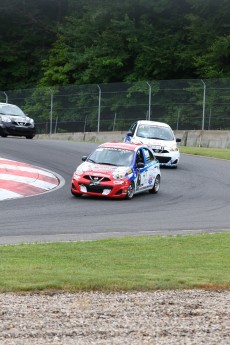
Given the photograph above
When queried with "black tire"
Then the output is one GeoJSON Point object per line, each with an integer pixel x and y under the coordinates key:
{"type": "Point", "coordinates": [29, 137]}
{"type": "Point", "coordinates": [76, 195]}
{"type": "Point", "coordinates": [156, 185]}
{"type": "Point", "coordinates": [130, 192]}
{"type": "Point", "coordinates": [3, 135]}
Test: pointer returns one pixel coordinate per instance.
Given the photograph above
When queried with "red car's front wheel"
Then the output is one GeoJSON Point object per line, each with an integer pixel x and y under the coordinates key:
{"type": "Point", "coordinates": [131, 190]}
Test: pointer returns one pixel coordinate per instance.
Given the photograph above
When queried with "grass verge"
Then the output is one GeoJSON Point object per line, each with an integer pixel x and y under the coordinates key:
{"type": "Point", "coordinates": [134, 263]}
{"type": "Point", "coordinates": [204, 151]}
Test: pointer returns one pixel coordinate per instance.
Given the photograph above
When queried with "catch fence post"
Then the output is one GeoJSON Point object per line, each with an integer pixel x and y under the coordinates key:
{"type": "Point", "coordinates": [150, 91]}
{"type": "Point", "coordinates": [51, 111]}
{"type": "Point", "coordinates": [99, 109]}
{"type": "Point", "coordinates": [6, 96]}
{"type": "Point", "coordinates": [204, 95]}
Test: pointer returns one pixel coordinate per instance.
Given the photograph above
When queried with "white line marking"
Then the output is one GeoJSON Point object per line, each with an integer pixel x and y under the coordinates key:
{"type": "Point", "coordinates": [5, 194]}
{"type": "Point", "coordinates": [27, 169]}
{"type": "Point", "coordinates": [28, 180]}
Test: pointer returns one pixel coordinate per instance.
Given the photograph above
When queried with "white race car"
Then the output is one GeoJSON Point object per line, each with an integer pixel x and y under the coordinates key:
{"type": "Point", "coordinates": [160, 137]}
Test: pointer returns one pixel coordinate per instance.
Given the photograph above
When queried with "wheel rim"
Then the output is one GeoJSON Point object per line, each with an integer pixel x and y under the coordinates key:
{"type": "Point", "coordinates": [130, 191]}
{"type": "Point", "coordinates": [157, 183]}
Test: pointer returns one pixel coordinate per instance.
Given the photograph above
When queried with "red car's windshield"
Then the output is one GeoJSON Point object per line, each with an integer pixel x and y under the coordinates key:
{"type": "Point", "coordinates": [111, 156]}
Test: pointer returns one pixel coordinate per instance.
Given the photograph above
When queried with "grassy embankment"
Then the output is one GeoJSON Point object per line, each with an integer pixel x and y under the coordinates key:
{"type": "Point", "coordinates": [137, 263]}
{"type": "Point", "coordinates": [204, 151]}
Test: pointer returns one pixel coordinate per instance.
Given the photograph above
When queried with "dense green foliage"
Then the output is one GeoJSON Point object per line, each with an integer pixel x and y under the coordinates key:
{"type": "Point", "coordinates": [61, 42]}
{"type": "Point", "coordinates": [27, 31]}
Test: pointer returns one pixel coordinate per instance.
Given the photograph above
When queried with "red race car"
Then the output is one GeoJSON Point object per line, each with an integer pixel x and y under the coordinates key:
{"type": "Point", "coordinates": [117, 170]}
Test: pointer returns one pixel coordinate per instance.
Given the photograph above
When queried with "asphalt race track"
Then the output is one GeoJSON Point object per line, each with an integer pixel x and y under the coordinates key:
{"type": "Point", "coordinates": [194, 198]}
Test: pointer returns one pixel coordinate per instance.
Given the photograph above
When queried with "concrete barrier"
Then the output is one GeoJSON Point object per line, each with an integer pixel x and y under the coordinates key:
{"type": "Point", "coordinates": [215, 139]}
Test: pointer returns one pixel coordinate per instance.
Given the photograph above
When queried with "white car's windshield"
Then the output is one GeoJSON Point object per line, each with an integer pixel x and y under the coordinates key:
{"type": "Point", "coordinates": [111, 156]}
{"type": "Point", "coordinates": [9, 110]}
{"type": "Point", "coordinates": [154, 132]}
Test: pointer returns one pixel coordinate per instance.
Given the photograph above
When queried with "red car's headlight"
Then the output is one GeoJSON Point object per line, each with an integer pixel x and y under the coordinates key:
{"type": "Point", "coordinates": [76, 175]}
{"type": "Point", "coordinates": [119, 174]}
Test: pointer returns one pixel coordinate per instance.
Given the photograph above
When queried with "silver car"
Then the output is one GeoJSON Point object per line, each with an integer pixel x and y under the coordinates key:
{"type": "Point", "coordinates": [14, 122]}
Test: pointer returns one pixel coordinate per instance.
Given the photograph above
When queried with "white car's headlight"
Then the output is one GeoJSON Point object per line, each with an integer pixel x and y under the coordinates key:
{"type": "Point", "coordinates": [5, 119]}
{"type": "Point", "coordinates": [31, 121]}
{"type": "Point", "coordinates": [173, 148]}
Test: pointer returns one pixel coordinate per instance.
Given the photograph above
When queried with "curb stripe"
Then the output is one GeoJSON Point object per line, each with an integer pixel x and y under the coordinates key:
{"type": "Point", "coordinates": [34, 175]}
{"type": "Point", "coordinates": [22, 189]}
{"type": "Point", "coordinates": [19, 167]}
{"type": "Point", "coordinates": [28, 180]}
{"type": "Point", "coordinates": [20, 180]}
{"type": "Point", "coordinates": [6, 194]}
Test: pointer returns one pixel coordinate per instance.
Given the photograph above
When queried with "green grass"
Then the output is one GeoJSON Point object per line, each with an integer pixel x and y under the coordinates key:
{"type": "Point", "coordinates": [136, 263]}
{"type": "Point", "coordinates": [204, 151]}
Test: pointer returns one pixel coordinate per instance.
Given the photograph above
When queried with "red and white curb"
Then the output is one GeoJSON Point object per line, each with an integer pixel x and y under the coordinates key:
{"type": "Point", "coordinates": [19, 180]}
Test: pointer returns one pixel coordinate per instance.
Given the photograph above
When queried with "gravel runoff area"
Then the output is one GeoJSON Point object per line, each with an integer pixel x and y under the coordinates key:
{"type": "Point", "coordinates": [135, 318]}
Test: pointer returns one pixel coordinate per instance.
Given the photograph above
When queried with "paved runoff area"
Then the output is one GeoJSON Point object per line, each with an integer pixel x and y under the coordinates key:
{"type": "Point", "coordinates": [19, 180]}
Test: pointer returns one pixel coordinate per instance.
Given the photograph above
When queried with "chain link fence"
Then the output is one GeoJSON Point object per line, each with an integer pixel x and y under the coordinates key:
{"type": "Point", "coordinates": [183, 104]}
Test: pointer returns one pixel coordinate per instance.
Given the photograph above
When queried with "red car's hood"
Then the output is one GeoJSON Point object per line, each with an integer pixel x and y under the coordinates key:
{"type": "Point", "coordinates": [104, 170]}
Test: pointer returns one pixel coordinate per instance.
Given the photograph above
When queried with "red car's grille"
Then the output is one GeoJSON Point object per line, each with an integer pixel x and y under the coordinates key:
{"type": "Point", "coordinates": [96, 189]}
{"type": "Point", "coordinates": [96, 178]}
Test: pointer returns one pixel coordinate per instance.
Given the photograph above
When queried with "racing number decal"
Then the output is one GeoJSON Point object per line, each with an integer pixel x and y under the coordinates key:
{"type": "Point", "coordinates": [144, 179]}
{"type": "Point", "coordinates": [138, 179]}
{"type": "Point", "coordinates": [145, 176]}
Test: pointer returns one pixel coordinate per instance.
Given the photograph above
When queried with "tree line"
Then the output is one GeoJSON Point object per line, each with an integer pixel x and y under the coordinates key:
{"type": "Point", "coordinates": [47, 43]}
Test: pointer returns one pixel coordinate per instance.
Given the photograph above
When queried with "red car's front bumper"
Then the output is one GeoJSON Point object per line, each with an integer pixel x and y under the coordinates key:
{"type": "Point", "coordinates": [117, 189]}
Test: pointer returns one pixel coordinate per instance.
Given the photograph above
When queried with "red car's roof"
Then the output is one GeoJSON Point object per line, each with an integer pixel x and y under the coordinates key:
{"type": "Point", "coordinates": [122, 145]}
